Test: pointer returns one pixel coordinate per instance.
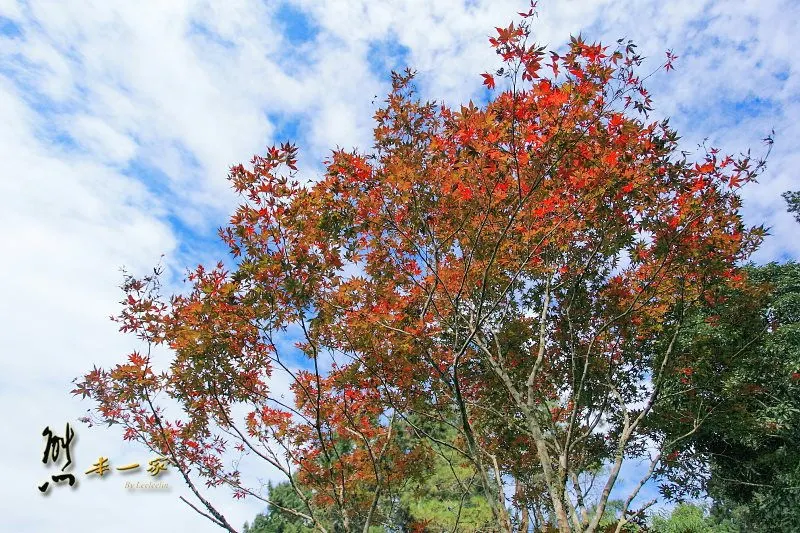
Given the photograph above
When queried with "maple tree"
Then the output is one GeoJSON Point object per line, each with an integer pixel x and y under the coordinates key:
{"type": "Point", "coordinates": [519, 271]}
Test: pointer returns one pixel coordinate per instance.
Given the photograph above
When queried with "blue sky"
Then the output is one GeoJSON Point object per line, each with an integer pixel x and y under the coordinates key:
{"type": "Point", "coordinates": [119, 120]}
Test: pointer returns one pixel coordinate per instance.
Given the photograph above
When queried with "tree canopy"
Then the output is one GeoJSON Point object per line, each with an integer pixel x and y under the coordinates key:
{"type": "Point", "coordinates": [499, 294]}
{"type": "Point", "coordinates": [746, 362]}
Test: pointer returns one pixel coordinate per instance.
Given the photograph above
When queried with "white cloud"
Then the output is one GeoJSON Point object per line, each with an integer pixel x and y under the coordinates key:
{"type": "Point", "coordinates": [104, 142]}
{"type": "Point", "coordinates": [93, 94]}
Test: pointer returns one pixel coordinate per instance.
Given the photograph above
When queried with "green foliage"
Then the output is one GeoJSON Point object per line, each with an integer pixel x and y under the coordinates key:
{"type": "Point", "coordinates": [449, 492]}
{"type": "Point", "coordinates": [448, 495]}
{"type": "Point", "coordinates": [611, 516]}
{"type": "Point", "coordinates": [745, 361]}
{"type": "Point", "coordinates": [757, 465]}
{"type": "Point", "coordinates": [793, 199]}
{"type": "Point", "coordinates": [685, 518]}
{"type": "Point", "coordinates": [276, 520]}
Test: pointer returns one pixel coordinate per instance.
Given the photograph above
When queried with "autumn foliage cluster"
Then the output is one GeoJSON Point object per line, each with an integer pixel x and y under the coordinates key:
{"type": "Point", "coordinates": [518, 272]}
